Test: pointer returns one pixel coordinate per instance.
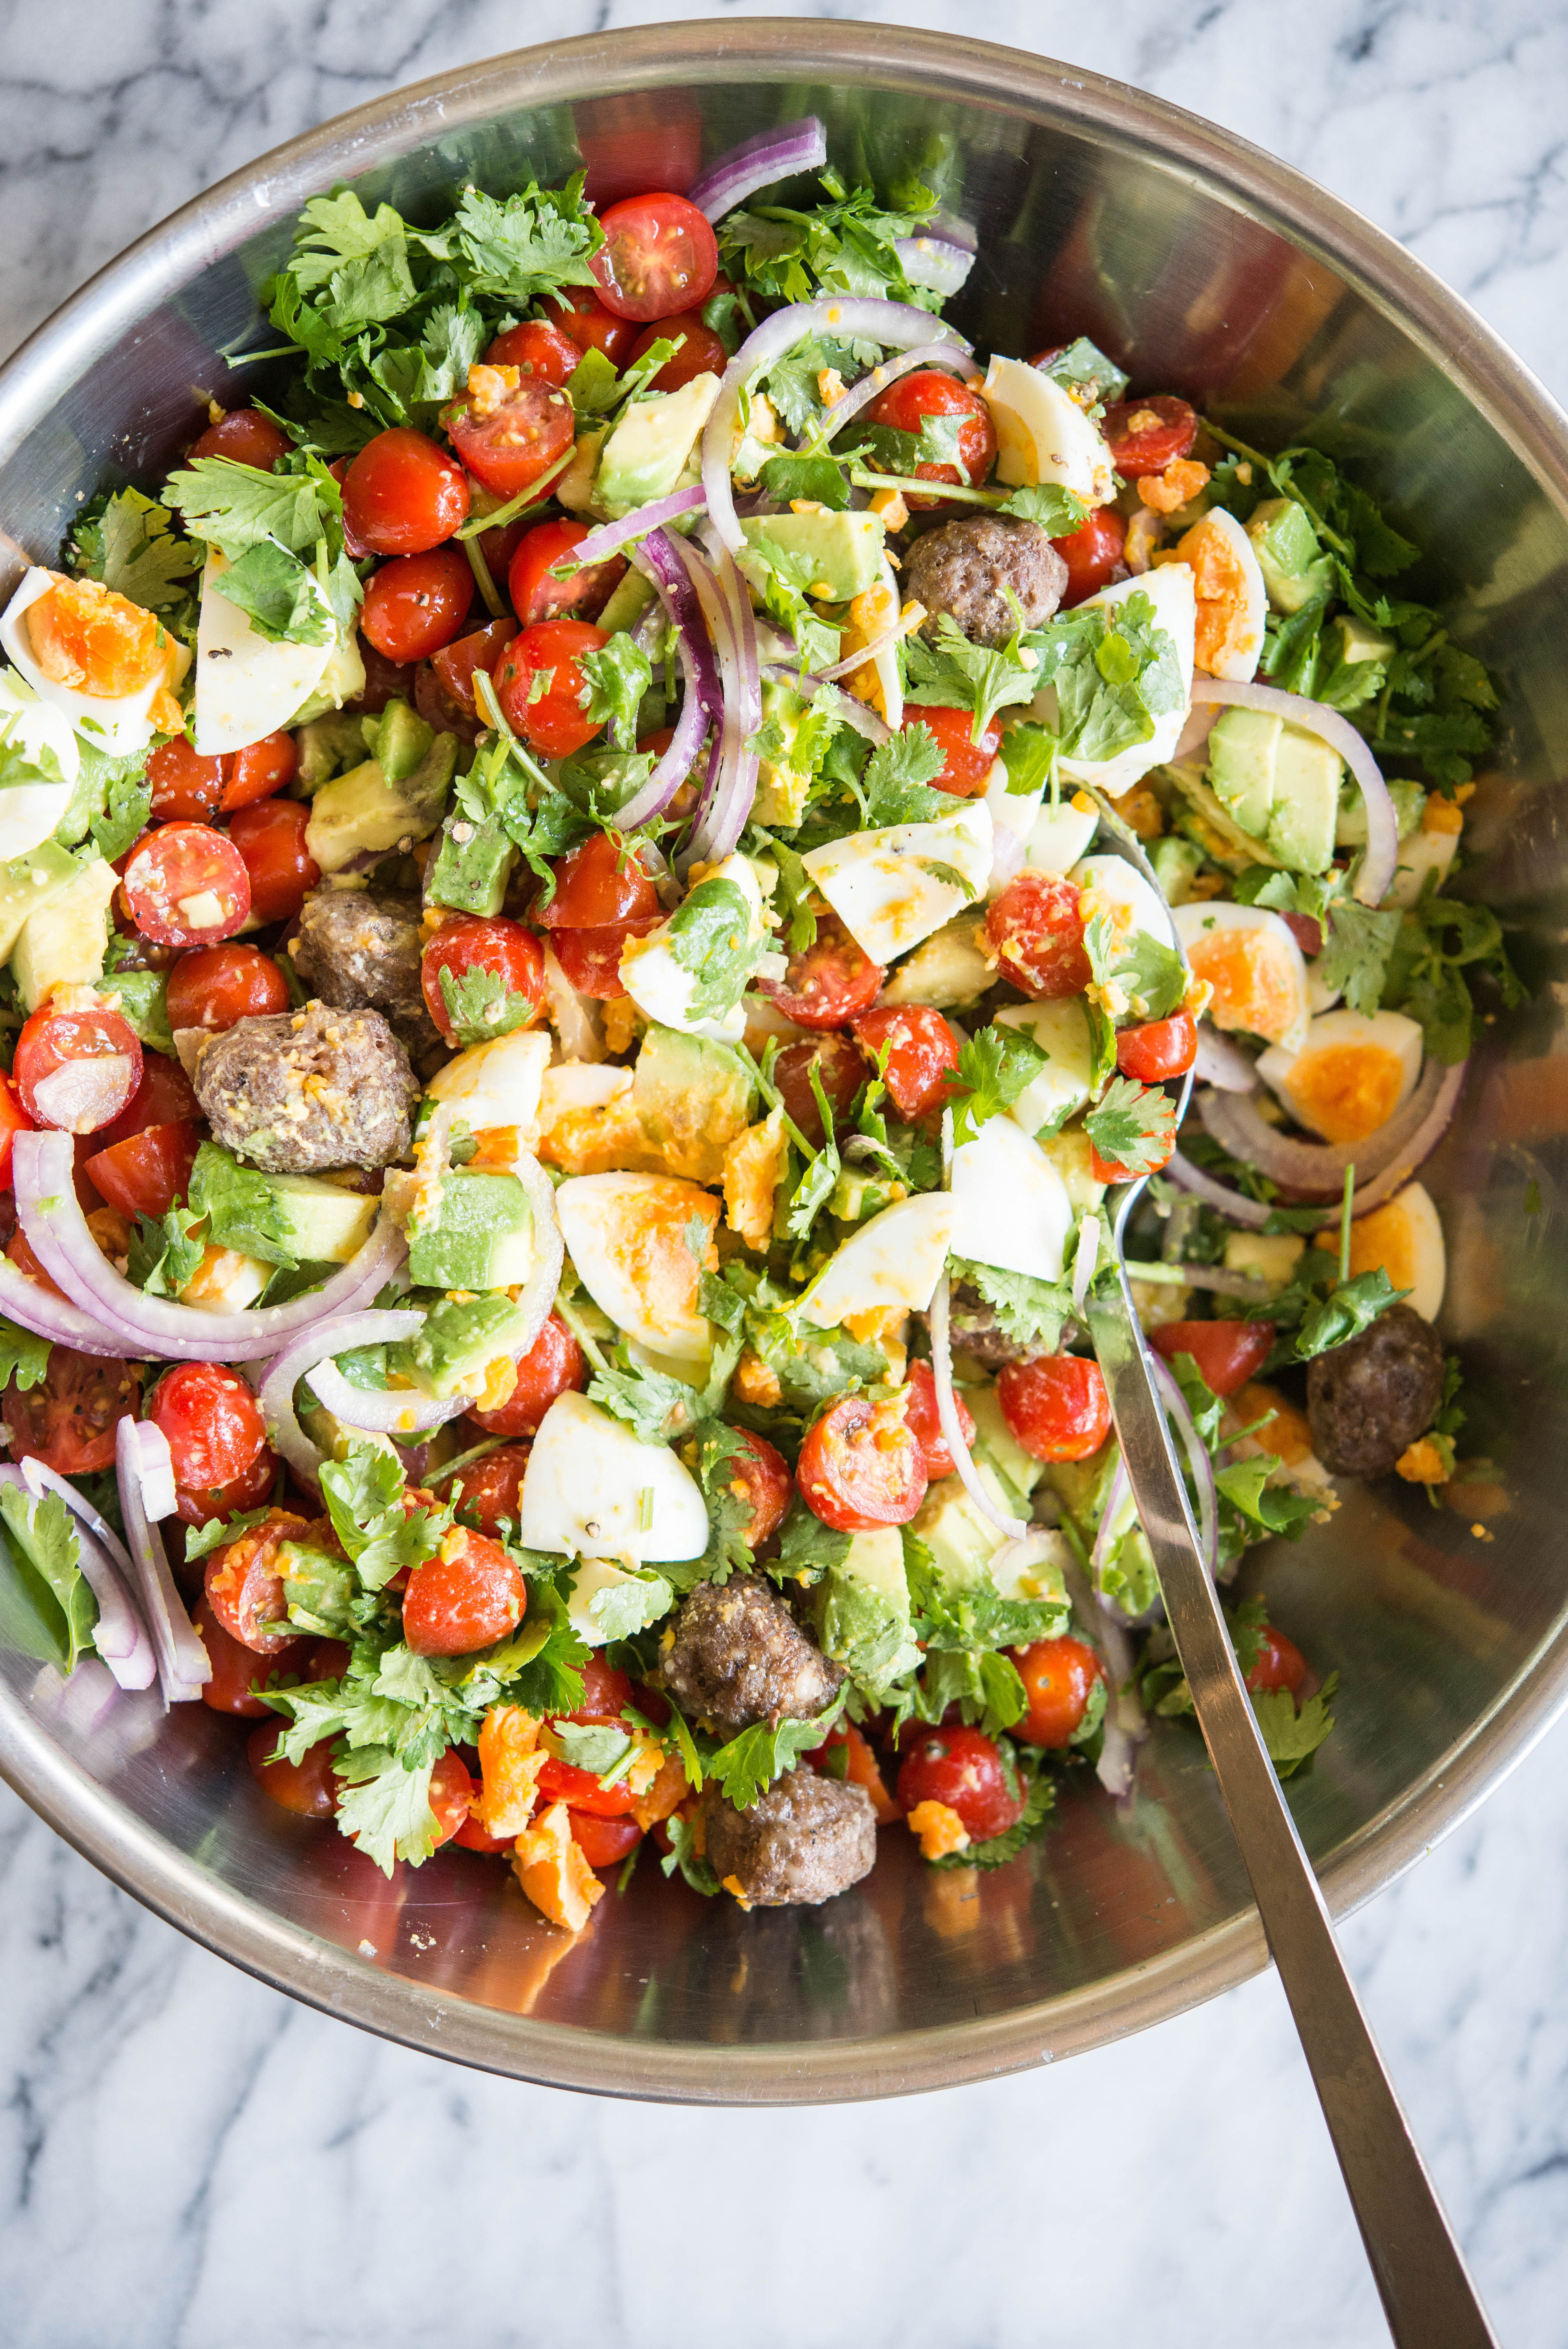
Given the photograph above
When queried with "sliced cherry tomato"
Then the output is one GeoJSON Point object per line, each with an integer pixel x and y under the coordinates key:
{"type": "Point", "coordinates": [829, 981]}
{"type": "Point", "coordinates": [1144, 436]}
{"type": "Point", "coordinates": [248, 1490]}
{"type": "Point", "coordinates": [183, 785]}
{"type": "Point", "coordinates": [905, 405]}
{"type": "Point", "coordinates": [597, 884]}
{"type": "Point", "coordinates": [700, 352]}
{"type": "Point", "coordinates": [508, 445]}
{"type": "Point", "coordinates": [924, 1420]}
{"type": "Point", "coordinates": [187, 885]}
{"type": "Point", "coordinates": [581, 316]}
{"type": "Point", "coordinates": [606, 1691]}
{"type": "Point", "coordinates": [245, 437]}
{"type": "Point", "coordinates": [1228, 1353]}
{"type": "Point", "coordinates": [472, 943]}
{"type": "Point", "coordinates": [309, 1787]}
{"type": "Point", "coordinates": [455, 665]}
{"type": "Point", "coordinates": [1092, 553]}
{"type": "Point", "coordinates": [19, 1253]}
{"type": "Point", "coordinates": [164, 1097]}
{"type": "Point", "coordinates": [562, 1782]}
{"type": "Point", "coordinates": [844, 1754]}
{"type": "Point", "coordinates": [1158, 1049]}
{"type": "Point", "coordinates": [841, 1072]}
{"type": "Point", "coordinates": [968, 763]}
{"type": "Point", "coordinates": [270, 839]}
{"type": "Point", "coordinates": [473, 1837]}
{"type": "Point", "coordinates": [759, 1476]}
{"type": "Point", "coordinates": [491, 1488]}
{"type": "Point", "coordinates": [1035, 929]}
{"type": "Point", "coordinates": [68, 1421]}
{"type": "Point", "coordinates": [403, 494]}
{"type": "Point", "coordinates": [660, 256]}
{"type": "Point", "coordinates": [537, 594]}
{"type": "Point", "coordinates": [217, 987]}
{"type": "Point", "coordinates": [1280, 1663]}
{"type": "Point", "coordinates": [591, 959]}
{"type": "Point", "coordinates": [1058, 1677]}
{"type": "Point", "coordinates": [1057, 1407]}
{"type": "Point", "coordinates": [77, 1071]}
{"type": "Point", "coordinates": [235, 1668]}
{"type": "Point", "coordinates": [213, 1420]}
{"type": "Point", "coordinates": [384, 680]}
{"type": "Point", "coordinates": [463, 1601]}
{"type": "Point", "coordinates": [451, 1795]}
{"type": "Point", "coordinates": [604, 1843]}
{"type": "Point", "coordinates": [14, 1120]}
{"type": "Point", "coordinates": [246, 1589]}
{"type": "Point", "coordinates": [553, 720]}
{"type": "Point", "coordinates": [862, 1466]}
{"type": "Point", "coordinates": [537, 349]}
{"type": "Point", "coordinates": [149, 1172]}
{"type": "Point", "coordinates": [921, 1051]}
{"type": "Point", "coordinates": [418, 603]}
{"type": "Point", "coordinates": [962, 1769]}
{"type": "Point", "coordinates": [258, 771]}
{"type": "Point", "coordinates": [553, 1366]}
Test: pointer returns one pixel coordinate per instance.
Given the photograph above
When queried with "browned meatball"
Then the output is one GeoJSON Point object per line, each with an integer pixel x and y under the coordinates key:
{"type": "Point", "coordinates": [800, 1843]}
{"type": "Point", "coordinates": [1370, 1400]}
{"type": "Point", "coordinates": [967, 567]}
{"type": "Point", "coordinates": [299, 1092]}
{"type": "Point", "coordinates": [360, 952]}
{"type": "Point", "coordinates": [736, 1656]}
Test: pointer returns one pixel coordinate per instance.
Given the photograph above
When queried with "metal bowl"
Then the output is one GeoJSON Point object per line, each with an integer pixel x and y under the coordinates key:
{"type": "Point", "coordinates": [1204, 266]}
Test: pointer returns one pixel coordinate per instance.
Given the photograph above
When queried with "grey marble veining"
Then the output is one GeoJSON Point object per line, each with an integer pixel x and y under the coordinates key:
{"type": "Point", "coordinates": [187, 2161]}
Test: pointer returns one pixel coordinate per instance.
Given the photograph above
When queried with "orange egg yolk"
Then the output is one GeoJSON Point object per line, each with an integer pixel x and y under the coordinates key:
{"type": "Point", "coordinates": [1254, 984]}
{"type": "Point", "coordinates": [86, 636]}
{"type": "Point", "coordinates": [650, 1249]}
{"type": "Point", "coordinates": [1348, 1091]}
{"type": "Point", "coordinates": [1220, 585]}
{"type": "Point", "coordinates": [1385, 1237]}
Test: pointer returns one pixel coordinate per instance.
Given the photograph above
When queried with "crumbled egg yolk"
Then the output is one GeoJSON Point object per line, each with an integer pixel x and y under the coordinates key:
{"type": "Point", "coordinates": [1252, 982]}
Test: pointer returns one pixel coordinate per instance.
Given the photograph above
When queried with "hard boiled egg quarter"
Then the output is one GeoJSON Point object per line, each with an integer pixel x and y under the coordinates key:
{"type": "Point", "coordinates": [117, 723]}
{"type": "Point", "coordinates": [1352, 1072]}
{"type": "Point", "coordinates": [34, 731]}
{"type": "Point", "coordinates": [1254, 967]}
{"type": "Point", "coordinates": [894, 1260]}
{"type": "Point", "coordinates": [1232, 601]}
{"type": "Point", "coordinates": [1129, 900]}
{"type": "Point", "coordinates": [627, 1237]}
{"type": "Point", "coordinates": [1043, 435]}
{"type": "Point", "coordinates": [1011, 1206]}
{"type": "Point", "coordinates": [247, 686]}
{"type": "Point", "coordinates": [592, 1489]}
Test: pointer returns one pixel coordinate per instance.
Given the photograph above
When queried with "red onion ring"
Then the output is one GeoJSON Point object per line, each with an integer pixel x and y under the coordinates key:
{"type": "Point", "coordinates": [1124, 1729]}
{"type": "Point", "coordinates": [335, 1336]}
{"type": "Point", "coordinates": [1375, 877]}
{"type": "Point", "coordinates": [141, 1457]}
{"type": "Point", "coordinates": [1220, 1062]}
{"type": "Point", "coordinates": [759, 163]}
{"type": "Point", "coordinates": [939, 1317]}
{"type": "Point", "coordinates": [720, 825]}
{"type": "Point", "coordinates": [1254, 1212]}
{"type": "Point", "coordinates": [117, 1635]}
{"type": "Point", "coordinates": [865, 721]}
{"type": "Point", "coordinates": [397, 1410]}
{"type": "Point", "coordinates": [932, 261]}
{"type": "Point", "coordinates": [1238, 1127]}
{"type": "Point", "coordinates": [31, 1307]}
{"type": "Point", "coordinates": [702, 706]}
{"type": "Point", "coordinates": [612, 536]}
{"type": "Point", "coordinates": [1106, 1536]}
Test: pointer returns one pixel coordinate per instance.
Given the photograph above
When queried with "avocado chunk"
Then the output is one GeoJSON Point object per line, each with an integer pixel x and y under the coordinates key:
{"type": "Point", "coordinates": [396, 737]}
{"type": "Point", "coordinates": [947, 970]}
{"type": "Point", "coordinates": [861, 1191]}
{"type": "Point", "coordinates": [648, 449]}
{"type": "Point", "coordinates": [1241, 747]}
{"type": "Point", "coordinates": [863, 1610]}
{"type": "Point", "coordinates": [1278, 783]}
{"type": "Point", "coordinates": [782, 781]}
{"type": "Point", "coordinates": [997, 1445]}
{"type": "Point", "coordinates": [461, 1335]}
{"type": "Point", "coordinates": [628, 601]}
{"type": "Point", "coordinates": [284, 1219]}
{"type": "Point", "coordinates": [959, 1540]}
{"type": "Point", "coordinates": [693, 1098]}
{"type": "Point", "coordinates": [328, 745]}
{"type": "Point", "coordinates": [1294, 568]}
{"type": "Point", "coordinates": [480, 1237]}
{"type": "Point", "coordinates": [1358, 641]}
{"type": "Point", "coordinates": [1409, 799]}
{"type": "Point", "coordinates": [1176, 862]}
{"type": "Point", "coordinates": [343, 680]}
{"type": "Point", "coordinates": [27, 883]}
{"type": "Point", "coordinates": [63, 942]}
{"type": "Point", "coordinates": [471, 866]}
{"type": "Point", "coordinates": [366, 813]}
{"type": "Point", "coordinates": [845, 550]}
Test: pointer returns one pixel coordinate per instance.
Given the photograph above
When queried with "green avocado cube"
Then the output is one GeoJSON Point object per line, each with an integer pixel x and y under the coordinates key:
{"type": "Point", "coordinates": [1243, 749]}
{"type": "Point", "coordinates": [862, 1610]}
{"type": "Point", "coordinates": [461, 1336]}
{"type": "Point", "coordinates": [845, 550]}
{"type": "Point", "coordinates": [1306, 800]}
{"type": "Point", "coordinates": [481, 1236]}
{"type": "Point", "coordinates": [1295, 569]}
{"type": "Point", "coordinates": [694, 1097]}
{"type": "Point", "coordinates": [397, 740]}
{"type": "Point", "coordinates": [471, 866]}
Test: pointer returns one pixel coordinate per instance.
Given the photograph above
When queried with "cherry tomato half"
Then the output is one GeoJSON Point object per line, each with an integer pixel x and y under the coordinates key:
{"type": "Point", "coordinates": [181, 783]}
{"type": "Point", "coordinates": [1058, 1677]}
{"type": "Point", "coordinates": [456, 665]}
{"type": "Point", "coordinates": [187, 885]}
{"type": "Point", "coordinates": [68, 1421]}
{"type": "Point", "coordinates": [759, 1476]}
{"type": "Point", "coordinates": [537, 349]}
{"type": "Point", "coordinates": [597, 884]}
{"type": "Point", "coordinates": [700, 352]}
{"type": "Point", "coordinates": [905, 405]}
{"type": "Point", "coordinates": [603, 1842]}
{"type": "Point", "coordinates": [1158, 1049]}
{"type": "Point", "coordinates": [164, 1097]}
{"type": "Point", "coordinates": [418, 603]}
{"type": "Point", "coordinates": [580, 315]}
{"type": "Point", "coordinates": [1228, 1353]}
{"type": "Point", "coordinates": [1280, 1663]}
{"type": "Point", "coordinates": [491, 1489]}
{"type": "Point", "coordinates": [552, 717]}
{"type": "Point", "coordinates": [1144, 436]}
{"type": "Point", "coordinates": [246, 1589]}
{"type": "Point", "coordinates": [309, 1787]}
{"type": "Point", "coordinates": [467, 1599]}
{"type": "Point", "coordinates": [508, 445]}
{"type": "Point", "coordinates": [1035, 929]}
{"type": "Point", "coordinates": [962, 1769]}
{"type": "Point", "coordinates": [213, 1420]}
{"type": "Point", "coordinates": [235, 1668]}
{"type": "Point", "coordinates": [217, 987]}
{"type": "Point", "coordinates": [258, 771]}
{"type": "Point", "coordinates": [924, 1420]}
{"type": "Point", "coordinates": [660, 256]}
{"type": "Point", "coordinates": [537, 594]}
{"type": "Point", "coordinates": [841, 1072]}
{"type": "Point", "coordinates": [827, 981]}
{"type": "Point", "coordinates": [968, 763]}
{"type": "Point", "coordinates": [271, 841]}
{"type": "Point", "coordinates": [591, 959]}
{"type": "Point", "coordinates": [1092, 553]}
{"type": "Point", "coordinates": [199, 1505]}
{"type": "Point", "coordinates": [918, 1051]}
{"type": "Point", "coordinates": [245, 437]}
{"type": "Point", "coordinates": [77, 1071]}
{"type": "Point", "coordinates": [1057, 1407]}
{"type": "Point", "coordinates": [403, 494]}
{"type": "Point", "coordinates": [862, 1466]}
{"type": "Point", "coordinates": [451, 1795]}
{"type": "Point", "coordinates": [553, 1366]}
{"type": "Point", "coordinates": [478, 942]}
{"type": "Point", "coordinates": [148, 1172]}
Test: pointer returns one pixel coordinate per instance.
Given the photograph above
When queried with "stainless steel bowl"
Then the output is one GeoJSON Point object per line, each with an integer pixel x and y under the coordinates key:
{"type": "Point", "coordinates": [1204, 266]}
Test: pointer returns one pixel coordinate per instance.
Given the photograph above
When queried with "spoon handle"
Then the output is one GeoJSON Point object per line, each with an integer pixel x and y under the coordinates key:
{"type": "Point", "coordinates": [1427, 2296]}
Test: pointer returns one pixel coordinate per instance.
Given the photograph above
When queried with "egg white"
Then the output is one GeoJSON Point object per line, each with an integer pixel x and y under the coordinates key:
{"type": "Point", "coordinates": [1197, 921]}
{"type": "Point", "coordinates": [1012, 1209]}
{"type": "Point", "coordinates": [599, 1216]}
{"type": "Point", "coordinates": [1241, 665]}
{"type": "Point", "coordinates": [117, 723]}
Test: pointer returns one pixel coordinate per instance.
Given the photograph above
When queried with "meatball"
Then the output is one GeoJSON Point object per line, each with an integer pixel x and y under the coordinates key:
{"type": "Point", "coordinates": [736, 1656]}
{"type": "Point", "coordinates": [299, 1092]}
{"type": "Point", "coordinates": [360, 952]}
{"type": "Point", "coordinates": [965, 568]}
{"type": "Point", "coordinates": [1369, 1400]}
{"type": "Point", "coordinates": [800, 1843]}
{"type": "Point", "coordinates": [977, 1332]}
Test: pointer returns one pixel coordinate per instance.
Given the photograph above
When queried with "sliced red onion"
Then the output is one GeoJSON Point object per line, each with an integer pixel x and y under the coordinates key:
{"type": "Point", "coordinates": [612, 536]}
{"type": "Point", "coordinates": [141, 1455]}
{"type": "Point", "coordinates": [873, 384]}
{"type": "Point", "coordinates": [724, 754]}
{"type": "Point", "coordinates": [858, 714]}
{"type": "Point", "coordinates": [160, 1327]}
{"type": "Point", "coordinates": [719, 827]}
{"type": "Point", "coordinates": [855, 660]}
{"type": "Point", "coordinates": [117, 1635]}
{"type": "Point", "coordinates": [759, 163]}
{"type": "Point", "coordinates": [1382, 854]}
{"type": "Point", "coordinates": [661, 559]}
{"type": "Point", "coordinates": [334, 1336]}
{"type": "Point", "coordinates": [1220, 1062]}
{"type": "Point", "coordinates": [31, 1307]}
{"type": "Point", "coordinates": [1238, 1127]}
{"type": "Point", "coordinates": [675, 763]}
{"type": "Point", "coordinates": [81, 1095]}
{"type": "Point", "coordinates": [395, 1411]}
{"type": "Point", "coordinates": [931, 260]}
{"type": "Point", "coordinates": [1108, 1535]}
{"type": "Point", "coordinates": [1233, 1204]}
{"type": "Point", "coordinates": [1016, 1528]}
{"type": "Point", "coordinates": [896, 325]}
{"type": "Point", "coordinates": [1198, 1461]}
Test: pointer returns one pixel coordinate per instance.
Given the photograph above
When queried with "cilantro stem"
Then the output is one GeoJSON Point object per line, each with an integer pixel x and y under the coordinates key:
{"type": "Point", "coordinates": [523, 504]}
{"type": "Point", "coordinates": [464, 1459]}
{"type": "Point", "coordinates": [774, 1098]}
{"type": "Point", "coordinates": [583, 1336]}
{"type": "Point", "coordinates": [1241, 448]}
{"type": "Point", "coordinates": [485, 694]}
{"type": "Point", "coordinates": [948, 492]}
{"type": "Point", "coordinates": [1345, 1224]}
{"type": "Point", "coordinates": [486, 584]}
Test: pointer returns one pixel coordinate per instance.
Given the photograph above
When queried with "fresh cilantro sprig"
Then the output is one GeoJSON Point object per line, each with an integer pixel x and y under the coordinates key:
{"type": "Point", "coordinates": [996, 1067]}
{"type": "Point", "coordinates": [747, 1764]}
{"type": "Point", "coordinates": [1132, 1128]}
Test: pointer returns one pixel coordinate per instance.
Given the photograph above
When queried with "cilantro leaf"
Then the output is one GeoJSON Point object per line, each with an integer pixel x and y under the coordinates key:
{"type": "Point", "coordinates": [1293, 1737]}
{"type": "Point", "coordinates": [43, 1553]}
{"type": "Point", "coordinates": [893, 788]}
{"type": "Point", "coordinates": [384, 1808]}
{"type": "Point", "coordinates": [709, 935]}
{"type": "Point", "coordinates": [479, 1005]}
{"type": "Point", "coordinates": [847, 245]}
{"type": "Point", "coordinates": [1030, 1312]}
{"type": "Point", "coordinates": [820, 479]}
{"type": "Point", "coordinates": [618, 674]}
{"type": "Point", "coordinates": [730, 1504]}
{"type": "Point", "coordinates": [1058, 513]}
{"type": "Point", "coordinates": [131, 545]}
{"type": "Point", "coordinates": [1084, 371]}
{"type": "Point", "coordinates": [142, 999]}
{"type": "Point", "coordinates": [972, 1617]}
{"type": "Point", "coordinates": [955, 674]}
{"type": "Point", "coordinates": [524, 246]}
{"type": "Point", "coordinates": [364, 1497]}
{"type": "Point", "coordinates": [1355, 957]}
{"type": "Point", "coordinates": [654, 1406]}
{"type": "Point", "coordinates": [1029, 754]}
{"type": "Point", "coordinates": [1115, 674]}
{"type": "Point", "coordinates": [163, 1256]}
{"type": "Point", "coordinates": [218, 1531]}
{"type": "Point", "coordinates": [747, 1764]}
{"type": "Point", "coordinates": [1132, 1128]}
{"type": "Point", "coordinates": [279, 594]}
{"type": "Point", "coordinates": [995, 1068]}
{"type": "Point", "coordinates": [235, 507]}
{"type": "Point", "coordinates": [24, 1357]}
{"type": "Point", "coordinates": [683, 1854]}
{"type": "Point", "coordinates": [807, 1548]}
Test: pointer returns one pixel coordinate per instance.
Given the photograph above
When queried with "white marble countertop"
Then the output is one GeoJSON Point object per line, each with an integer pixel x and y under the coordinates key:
{"type": "Point", "coordinates": [189, 2161]}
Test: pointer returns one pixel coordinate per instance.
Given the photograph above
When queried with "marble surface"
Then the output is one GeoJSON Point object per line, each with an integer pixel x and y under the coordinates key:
{"type": "Point", "coordinates": [187, 2161]}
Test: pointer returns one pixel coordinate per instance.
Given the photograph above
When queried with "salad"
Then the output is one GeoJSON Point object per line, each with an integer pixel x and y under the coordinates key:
{"type": "Point", "coordinates": [597, 889]}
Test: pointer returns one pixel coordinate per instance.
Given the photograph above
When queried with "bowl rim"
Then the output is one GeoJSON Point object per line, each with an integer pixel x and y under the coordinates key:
{"type": "Point", "coordinates": [1007, 81]}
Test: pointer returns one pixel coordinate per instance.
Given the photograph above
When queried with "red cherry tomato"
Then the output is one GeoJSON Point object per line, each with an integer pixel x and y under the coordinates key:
{"type": "Point", "coordinates": [537, 594]}
{"type": "Point", "coordinates": [451, 1795]}
{"type": "Point", "coordinates": [164, 1097]}
{"type": "Point", "coordinates": [246, 1589]}
{"type": "Point", "coordinates": [582, 318]}
{"type": "Point", "coordinates": [455, 1604]}
{"type": "Point", "coordinates": [700, 352]}
{"type": "Point", "coordinates": [217, 987]}
{"type": "Point", "coordinates": [182, 784]}
{"type": "Point", "coordinates": [1058, 1677]}
{"type": "Point", "coordinates": [924, 1420]}
{"type": "Point", "coordinates": [597, 884]}
{"type": "Point", "coordinates": [77, 1071]}
{"type": "Point", "coordinates": [603, 1842]}
{"type": "Point", "coordinates": [591, 959]}
{"type": "Point", "coordinates": [509, 445]}
{"type": "Point", "coordinates": [14, 1120]}
{"type": "Point", "coordinates": [491, 1489]}
{"type": "Point", "coordinates": [829, 981]}
{"type": "Point", "coordinates": [1280, 1662]}
{"type": "Point", "coordinates": [841, 1072]}
{"type": "Point", "coordinates": [270, 839]}
{"type": "Point", "coordinates": [455, 665]}
{"type": "Point", "coordinates": [473, 1837]}
{"type": "Point", "coordinates": [1035, 929]}
{"type": "Point", "coordinates": [418, 603]}
{"type": "Point", "coordinates": [1158, 1049]}
{"type": "Point", "coordinates": [384, 680]}
{"type": "Point", "coordinates": [476, 942]}
{"type": "Point", "coordinates": [147, 1174]}
{"type": "Point", "coordinates": [606, 1691]}
{"type": "Point", "coordinates": [906, 404]}
{"type": "Point", "coordinates": [1092, 553]}
{"type": "Point", "coordinates": [539, 349]}
{"type": "Point", "coordinates": [1057, 1408]}
{"type": "Point", "coordinates": [963, 1769]}
{"type": "Point", "coordinates": [562, 1782]}
{"type": "Point", "coordinates": [921, 1051]}
{"type": "Point", "coordinates": [660, 256]}
{"type": "Point", "coordinates": [1228, 1353]}
{"type": "Point", "coordinates": [68, 1421]}
{"type": "Point", "coordinates": [187, 885]}
{"type": "Point", "coordinates": [258, 771]}
{"type": "Point", "coordinates": [862, 1466]}
{"type": "Point", "coordinates": [760, 1476]}
{"type": "Point", "coordinates": [403, 494]}
{"type": "Point", "coordinates": [247, 1491]}
{"type": "Point", "coordinates": [309, 1787]}
{"type": "Point", "coordinates": [1144, 436]}
{"type": "Point", "coordinates": [235, 1668]}
{"type": "Point", "coordinates": [557, 721]}
{"type": "Point", "coordinates": [245, 437]}
{"type": "Point", "coordinates": [553, 1366]}
{"type": "Point", "coordinates": [968, 763]}
{"type": "Point", "coordinates": [859, 1768]}
{"type": "Point", "coordinates": [213, 1420]}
